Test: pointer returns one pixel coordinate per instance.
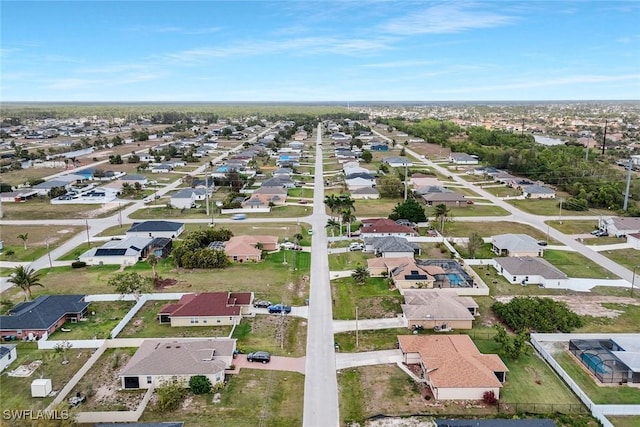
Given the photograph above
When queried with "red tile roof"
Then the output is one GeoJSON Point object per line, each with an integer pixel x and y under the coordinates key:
{"type": "Point", "coordinates": [209, 304]}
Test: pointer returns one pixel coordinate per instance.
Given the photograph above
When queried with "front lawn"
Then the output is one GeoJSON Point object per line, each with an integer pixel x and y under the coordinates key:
{"type": "Point", "coordinates": [574, 264]}
{"type": "Point", "coordinates": [374, 299]}
{"type": "Point", "coordinates": [348, 260]}
{"type": "Point", "coordinates": [629, 258]}
{"type": "Point", "coordinates": [252, 398]}
{"type": "Point", "coordinates": [502, 191]}
{"type": "Point", "coordinates": [473, 210]}
{"type": "Point", "coordinates": [373, 340]}
{"type": "Point", "coordinates": [619, 395]}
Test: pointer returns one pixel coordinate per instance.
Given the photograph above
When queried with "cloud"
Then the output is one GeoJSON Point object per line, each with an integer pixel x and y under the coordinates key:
{"type": "Point", "coordinates": [446, 19]}
{"type": "Point", "coordinates": [398, 64]}
{"type": "Point", "coordinates": [160, 29]}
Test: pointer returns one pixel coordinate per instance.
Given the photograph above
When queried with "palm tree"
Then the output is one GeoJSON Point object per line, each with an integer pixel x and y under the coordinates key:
{"type": "Point", "coordinates": [24, 237]}
{"type": "Point", "coordinates": [152, 260]}
{"type": "Point", "coordinates": [442, 213]}
{"type": "Point", "coordinates": [25, 278]}
{"type": "Point", "coordinates": [360, 274]}
{"type": "Point", "coordinates": [347, 217]}
{"type": "Point", "coordinates": [332, 203]}
{"type": "Point", "coordinates": [298, 238]}
{"type": "Point", "coordinates": [332, 224]}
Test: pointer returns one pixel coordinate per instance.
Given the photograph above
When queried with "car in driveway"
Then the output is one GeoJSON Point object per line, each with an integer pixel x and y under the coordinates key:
{"type": "Point", "coordinates": [291, 246]}
{"type": "Point", "coordinates": [279, 308]}
{"type": "Point", "coordinates": [355, 246]}
{"type": "Point", "coordinates": [261, 304]}
{"type": "Point", "coordinates": [259, 356]}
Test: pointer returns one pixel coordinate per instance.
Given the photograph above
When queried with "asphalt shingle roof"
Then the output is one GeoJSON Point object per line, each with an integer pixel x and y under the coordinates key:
{"type": "Point", "coordinates": [42, 312]}
{"type": "Point", "coordinates": [151, 226]}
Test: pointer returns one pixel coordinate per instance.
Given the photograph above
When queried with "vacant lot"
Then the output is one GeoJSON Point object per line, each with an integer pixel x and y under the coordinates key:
{"type": "Point", "coordinates": [348, 260]}
{"type": "Point", "coordinates": [502, 191]}
{"type": "Point", "coordinates": [277, 334]}
{"type": "Point", "coordinates": [574, 264]}
{"type": "Point", "coordinates": [551, 207]}
{"type": "Point", "coordinates": [252, 398]}
{"type": "Point", "coordinates": [23, 176]}
{"type": "Point", "coordinates": [374, 340]}
{"type": "Point", "coordinates": [629, 258]}
{"type": "Point", "coordinates": [40, 210]}
{"type": "Point", "coordinates": [374, 299]}
{"type": "Point", "coordinates": [574, 226]}
{"type": "Point", "coordinates": [37, 238]}
{"type": "Point", "coordinates": [487, 229]}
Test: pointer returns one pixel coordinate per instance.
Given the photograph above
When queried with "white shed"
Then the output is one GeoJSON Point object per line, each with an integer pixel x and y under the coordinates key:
{"type": "Point", "coordinates": [40, 387]}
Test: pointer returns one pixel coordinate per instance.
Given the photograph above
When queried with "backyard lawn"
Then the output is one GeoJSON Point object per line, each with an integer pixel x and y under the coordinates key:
{"type": "Point", "coordinates": [600, 395]}
{"type": "Point", "coordinates": [574, 264]}
{"type": "Point", "coordinates": [252, 398]}
{"type": "Point", "coordinates": [99, 325]}
{"type": "Point", "coordinates": [374, 299]}
{"type": "Point", "coordinates": [16, 391]}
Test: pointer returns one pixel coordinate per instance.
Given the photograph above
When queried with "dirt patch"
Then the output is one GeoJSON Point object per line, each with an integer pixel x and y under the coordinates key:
{"type": "Point", "coordinates": [106, 208]}
{"type": "Point", "coordinates": [586, 305]}
{"type": "Point", "coordinates": [400, 422]}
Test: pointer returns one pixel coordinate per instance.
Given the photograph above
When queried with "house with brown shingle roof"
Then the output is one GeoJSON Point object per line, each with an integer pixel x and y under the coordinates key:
{"type": "Point", "coordinates": [452, 366]}
{"type": "Point", "coordinates": [381, 267]}
{"type": "Point", "coordinates": [379, 227]}
{"type": "Point", "coordinates": [430, 308]}
{"type": "Point", "coordinates": [158, 361]}
{"type": "Point", "coordinates": [207, 309]}
{"type": "Point", "coordinates": [245, 248]}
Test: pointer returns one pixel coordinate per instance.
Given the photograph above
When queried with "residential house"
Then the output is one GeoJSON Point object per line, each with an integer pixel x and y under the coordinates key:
{"type": "Point", "coordinates": [132, 179]}
{"type": "Point", "coordinates": [448, 198]}
{"type": "Point", "coordinates": [365, 193]}
{"type": "Point", "coordinates": [43, 315]}
{"type": "Point", "coordinates": [278, 181]}
{"type": "Point", "coordinates": [118, 252]}
{"type": "Point", "coordinates": [159, 361]}
{"type": "Point", "coordinates": [397, 161]}
{"type": "Point", "coordinates": [382, 267]}
{"type": "Point", "coordinates": [169, 229]}
{"type": "Point", "coordinates": [378, 227]}
{"type": "Point", "coordinates": [418, 180]}
{"type": "Point", "coordinates": [207, 309]}
{"type": "Point", "coordinates": [633, 240]}
{"type": "Point", "coordinates": [185, 198]}
{"type": "Point", "coordinates": [411, 276]}
{"type": "Point", "coordinates": [282, 172]}
{"type": "Point", "coordinates": [18, 196]}
{"type": "Point", "coordinates": [538, 192]}
{"type": "Point", "coordinates": [44, 188]}
{"type": "Point", "coordinates": [462, 159]}
{"type": "Point", "coordinates": [245, 248]}
{"type": "Point", "coordinates": [438, 309]}
{"type": "Point", "coordinates": [161, 168]}
{"type": "Point", "coordinates": [516, 245]}
{"type": "Point", "coordinates": [391, 247]}
{"type": "Point", "coordinates": [620, 226]}
{"type": "Point", "coordinates": [359, 182]}
{"type": "Point", "coordinates": [452, 367]}
{"type": "Point", "coordinates": [379, 147]}
{"type": "Point", "coordinates": [8, 354]}
{"type": "Point", "coordinates": [531, 271]}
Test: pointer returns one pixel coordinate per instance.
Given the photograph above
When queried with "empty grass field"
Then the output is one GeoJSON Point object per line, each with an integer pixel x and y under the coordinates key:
{"type": "Point", "coordinates": [37, 238]}
{"type": "Point", "coordinates": [348, 260]}
{"type": "Point", "coordinates": [461, 228]}
{"type": "Point", "coordinates": [629, 258]}
{"type": "Point", "coordinates": [374, 299]}
{"type": "Point", "coordinates": [574, 264]}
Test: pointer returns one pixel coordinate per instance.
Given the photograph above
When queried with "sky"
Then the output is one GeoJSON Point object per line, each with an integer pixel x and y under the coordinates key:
{"type": "Point", "coordinates": [318, 51]}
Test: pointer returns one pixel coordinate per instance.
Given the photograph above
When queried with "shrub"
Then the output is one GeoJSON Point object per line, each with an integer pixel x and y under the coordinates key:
{"type": "Point", "coordinates": [9, 252]}
{"type": "Point", "coordinates": [170, 395]}
{"type": "Point", "coordinates": [199, 384]}
{"type": "Point", "coordinates": [78, 264]}
{"type": "Point", "coordinates": [489, 398]}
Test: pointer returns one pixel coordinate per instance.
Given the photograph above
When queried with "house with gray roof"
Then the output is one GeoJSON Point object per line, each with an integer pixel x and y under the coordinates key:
{"type": "Point", "coordinates": [516, 245]}
{"type": "Point", "coordinates": [391, 247]}
{"type": "Point", "coordinates": [43, 315]}
{"type": "Point", "coordinates": [186, 198]}
{"type": "Point", "coordinates": [620, 226]}
{"type": "Point", "coordinates": [531, 271]}
{"type": "Point", "coordinates": [157, 361]}
{"type": "Point", "coordinates": [133, 179]}
{"type": "Point", "coordinates": [462, 159]}
{"type": "Point", "coordinates": [536, 191]}
{"type": "Point", "coordinates": [397, 161]}
{"type": "Point", "coordinates": [447, 198]}
{"type": "Point", "coordinates": [119, 252]}
{"type": "Point", "coordinates": [365, 193]}
{"type": "Point", "coordinates": [44, 188]}
{"type": "Point", "coordinates": [8, 354]}
{"type": "Point", "coordinates": [278, 181]}
{"type": "Point", "coordinates": [169, 229]}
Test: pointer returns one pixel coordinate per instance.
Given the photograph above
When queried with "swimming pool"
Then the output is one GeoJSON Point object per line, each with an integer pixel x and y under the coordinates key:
{"type": "Point", "coordinates": [455, 279]}
{"type": "Point", "coordinates": [594, 363]}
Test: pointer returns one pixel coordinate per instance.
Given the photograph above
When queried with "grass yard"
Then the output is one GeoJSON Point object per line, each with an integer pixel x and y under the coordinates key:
{"type": "Point", "coordinates": [574, 264]}
{"type": "Point", "coordinates": [16, 391]}
{"type": "Point", "coordinates": [145, 325]}
{"type": "Point", "coordinates": [498, 285]}
{"type": "Point", "coordinates": [530, 379]}
{"type": "Point", "coordinates": [599, 241]}
{"type": "Point", "coordinates": [252, 398]}
{"type": "Point", "coordinates": [600, 395]}
{"type": "Point", "coordinates": [23, 176]}
{"type": "Point", "coordinates": [348, 260]}
{"type": "Point", "coordinates": [625, 421]}
{"type": "Point", "coordinates": [374, 340]}
{"type": "Point", "coordinates": [484, 252]}
{"type": "Point", "coordinates": [574, 226]}
{"type": "Point", "coordinates": [37, 238]}
{"type": "Point", "coordinates": [371, 390]}
{"type": "Point", "coordinates": [99, 325]}
{"type": "Point", "coordinates": [74, 253]}
{"type": "Point", "coordinates": [300, 192]}
{"type": "Point", "coordinates": [487, 229]}
{"type": "Point", "coordinates": [374, 208]}
{"type": "Point", "coordinates": [474, 210]}
{"type": "Point", "coordinates": [374, 299]}
{"type": "Point", "coordinates": [37, 209]}
{"type": "Point", "coordinates": [464, 190]}
{"type": "Point", "coordinates": [502, 191]}
{"type": "Point", "coordinates": [277, 334]}
{"type": "Point", "coordinates": [629, 258]}
{"type": "Point", "coordinates": [627, 321]}
{"type": "Point", "coordinates": [551, 207]}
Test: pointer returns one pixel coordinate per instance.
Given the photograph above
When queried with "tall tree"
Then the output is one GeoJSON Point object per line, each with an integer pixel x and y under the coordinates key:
{"type": "Point", "coordinates": [332, 224]}
{"type": "Point", "coordinates": [347, 217]}
{"type": "Point", "coordinates": [152, 260]}
{"type": "Point", "coordinates": [25, 278]}
{"type": "Point", "coordinates": [409, 209]}
{"type": "Point", "coordinates": [442, 214]}
{"type": "Point", "coordinates": [130, 283]}
{"type": "Point", "coordinates": [474, 243]}
{"type": "Point", "coordinates": [24, 237]}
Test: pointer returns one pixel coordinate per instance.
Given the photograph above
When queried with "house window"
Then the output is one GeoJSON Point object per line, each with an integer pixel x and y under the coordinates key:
{"type": "Point", "coordinates": [204, 321]}
{"type": "Point", "coordinates": [194, 320]}
{"type": "Point", "coordinates": [514, 279]}
{"type": "Point", "coordinates": [218, 321]}
{"type": "Point", "coordinates": [149, 380]}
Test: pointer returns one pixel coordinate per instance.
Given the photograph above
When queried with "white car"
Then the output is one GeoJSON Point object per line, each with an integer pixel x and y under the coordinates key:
{"type": "Point", "coordinates": [356, 246]}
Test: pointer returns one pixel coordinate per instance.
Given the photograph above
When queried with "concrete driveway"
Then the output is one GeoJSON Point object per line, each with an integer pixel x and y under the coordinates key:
{"type": "Point", "coordinates": [277, 363]}
{"type": "Point", "coordinates": [368, 324]}
{"type": "Point", "coordinates": [367, 358]}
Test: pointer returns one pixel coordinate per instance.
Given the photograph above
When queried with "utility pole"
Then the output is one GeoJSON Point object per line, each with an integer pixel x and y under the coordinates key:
{"type": "Point", "coordinates": [560, 216]}
{"type": "Point", "coordinates": [626, 192]}
{"type": "Point", "coordinates": [88, 240]}
{"type": "Point", "coordinates": [357, 342]}
{"type": "Point", "coordinates": [633, 279]}
{"type": "Point", "coordinates": [604, 137]}
{"type": "Point", "coordinates": [49, 254]}
{"type": "Point", "coordinates": [206, 188]}
{"type": "Point", "coordinates": [586, 153]}
{"type": "Point", "coordinates": [405, 180]}
{"type": "Point", "coordinates": [522, 129]}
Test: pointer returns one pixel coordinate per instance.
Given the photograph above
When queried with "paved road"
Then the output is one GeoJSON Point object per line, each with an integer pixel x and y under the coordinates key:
{"type": "Point", "coordinates": [320, 384]}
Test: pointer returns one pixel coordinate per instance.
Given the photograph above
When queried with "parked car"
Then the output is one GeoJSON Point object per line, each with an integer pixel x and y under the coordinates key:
{"type": "Point", "coordinates": [356, 246]}
{"type": "Point", "coordinates": [542, 243]}
{"type": "Point", "coordinates": [288, 245]}
{"type": "Point", "coordinates": [279, 308]}
{"type": "Point", "coordinates": [259, 356]}
{"type": "Point", "coordinates": [262, 304]}
{"type": "Point", "coordinates": [239, 216]}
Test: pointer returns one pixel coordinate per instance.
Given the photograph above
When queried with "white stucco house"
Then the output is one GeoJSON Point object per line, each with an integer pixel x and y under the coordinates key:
{"type": "Point", "coordinates": [118, 252]}
{"type": "Point", "coordinates": [8, 354]}
{"type": "Point", "coordinates": [529, 270]}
